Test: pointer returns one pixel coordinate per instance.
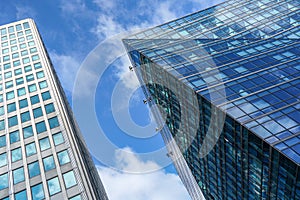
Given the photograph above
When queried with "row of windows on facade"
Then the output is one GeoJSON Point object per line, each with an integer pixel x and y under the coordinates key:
{"type": "Point", "coordinates": [17, 62]}
{"type": "Point", "coordinates": [20, 36]}
{"type": "Point", "coordinates": [34, 167]}
{"type": "Point", "coordinates": [28, 131]}
{"type": "Point", "coordinates": [44, 143]}
{"type": "Point", "coordinates": [21, 41]}
{"type": "Point", "coordinates": [22, 91]}
{"type": "Point", "coordinates": [53, 184]}
{"type": "Point", "coordinates": [17, 44]}
{"type": "Point", "coordinates": [17, 27]}
{"type": "Point", "coordinates": [8, 66]}
{"type": "Point", "coordinates": [23, 103]}
{"type": "Point", "coordinates": [17, 54]}
{"type": "Point", "coordinates": [40, 126]}
{"type": "Point", "coordinates": [19, 81]}
{"type": "Point", "coordinates": [19, 71]}
{"type": "Point", "coordinates": [25, 116]}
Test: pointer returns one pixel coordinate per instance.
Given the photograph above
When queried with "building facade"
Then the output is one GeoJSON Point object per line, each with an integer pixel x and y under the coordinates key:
{"type": "Point", "coordinates": [42, 152]}
{"type": "Point", "coordinates": [228, 78]}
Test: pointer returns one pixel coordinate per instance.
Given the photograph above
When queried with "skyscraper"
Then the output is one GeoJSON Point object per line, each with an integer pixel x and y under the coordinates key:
{"type": "Point", "coordinates": [42, 152]}
{"type": "Point", "coordinates": [228, 79]}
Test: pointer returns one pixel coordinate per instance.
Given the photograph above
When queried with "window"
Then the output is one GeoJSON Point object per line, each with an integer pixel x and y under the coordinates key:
{"type": "Point", "coordinates": [30, 149]}
{"type": "Point", "coordinates": [26, 60]}
{"type": "Point", "coordinates": [15, 55]}
{"type": "Point", "coordinates": [34, 99]}
{"type": "Point", "coordinates": [40, 127]}
{"type": "Point", "coordinates": [11, 107]}
{"type": "Point", "coordinates": [3, 160]}
{"type": "Point", "coordinates": [27, 132]}
{"type": "Point", "coordinates": [5, 58]}
{"type": "Point", "coordinates": [69, 179]}
{"type": "Point", "coordinates": [37, 66]}
{"type": "Point", "coordinates": [12, 121]}
{"type": "Point", "coordinates": [14, 137]}
{"type": "Point", "coordinates": [26, 25]}
{"type": "Point", "coordinates": [37, 192]}
{"type": "Point", "coordinates": [46, 96]}
{"type": "Point", "coordinates": [21, 92]}
{"type": "Point", "coordinates": [48, 163]}
{"type": "Point", "coordinates": [24, 53]}
{"type": "Point", "coordinates": [32, 88]}
{"type": "Point", "coordinates": [29, 37]}
{"type": "Point", "coordinates": [25, 116]}
{"type": "Point", "coordinates": [78, 197]}
{"type": "Point", "coordinates": [35, 57]}
{"type": "Point", "coordinates": [31, 43]}
{"type": "Point", "coordinates": [21, 195]}
{"type": "Point", "coordinates": [49, 108]}
{"type": "Point", "coordinates": [21, 39]}
{"type": "Point", "coordinates": [3, 181]}
{"type": "Point", "coordinates": [18, 175]}
{"type": "Point", "coordinates": [4, 51]}
{"type": "Point", "coordinates": [6, 66]}
{"type": "Point", "coordinates": [37, 112]}
{"type": "Point", "coordinates": [14, 48]}
{"type": "Point", "coordinates": [9, 84]}
{"type": "Point", "coordinates": [28, 68]}
{"type": "Point", "coordinates": [10, 95]}
{"type": "Point", "coordinates": [2, 141]}
{"type": "Point", "coordinates": [7, 75]}
{"type": "Point", "coordinates": [33, 50]}
{"type": "Point", "coordinates": [11, 29]}
{"type": "Point", "coordinates": [53, 186]}
{"type": "Point", "coordinates": [43, 84]}
{"type": "Point", "coordinates": [19, 81]}
{"type": "Point", "coordinates": [16, 63]}
{"type": "Point", "coordinates": [18, 71]}
{"type": "Point", "coordinates": [63, 157]}
{"type": "Point", "coordinates": [23, 103]}
{"type": "Point", "coordinates": [29, 78]}
{"type": "Point", "coordinates": [40, 74]}
{"type": "Point", "coordinates": [44, 144]}
{"type": "Point", "coordinates": [18, 27]}
{"type": "Point", "coordinates": [53, 122]}
{"type": "Point", "coordinates": [34, 169]}
{"type": "Point", "coordinates": [3, 31]}
{"type": "Point", "coordinates": [2, 125]}
{"type": "Point", "coordinates": [22, 46]}
{"type": "Point", "coordinates": [1, 111]}
{"type": "Point", "coordinates": [16, 154]}
{"type": "Point", "coordinates": [58, 139]}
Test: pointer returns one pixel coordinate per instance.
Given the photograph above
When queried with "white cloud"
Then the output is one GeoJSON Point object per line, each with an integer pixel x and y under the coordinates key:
{"type": "Point", "coordinates": [25, 12]}
{"type": "Point", "coordinates": [74, 6]}
{"type": "Point", "coordinates": [104, 4]}
{"type": "Point", "coordinates": [66, 67]}
{"type": "Point", "coordinates": [158, 185]}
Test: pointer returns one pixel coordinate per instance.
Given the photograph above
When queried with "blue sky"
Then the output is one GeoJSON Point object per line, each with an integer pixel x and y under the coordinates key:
{"type": "Point", "coordinates": [71, 29]}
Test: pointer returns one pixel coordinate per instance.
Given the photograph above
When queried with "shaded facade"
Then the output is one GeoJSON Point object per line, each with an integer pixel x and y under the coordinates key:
{"type": "Point", "coordinates": [42, 152]}
{"type": "Point", "coordinates": [228, 78]}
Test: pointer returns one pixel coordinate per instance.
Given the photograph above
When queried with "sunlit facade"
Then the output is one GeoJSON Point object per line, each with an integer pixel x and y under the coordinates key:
{"type": "Point", "coordinates": [42, 153]}
{"type": "Point", "coordinates": [230, 74]}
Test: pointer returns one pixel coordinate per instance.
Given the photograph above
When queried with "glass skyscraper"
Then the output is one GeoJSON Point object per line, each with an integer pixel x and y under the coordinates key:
{"type": "Point", "coordinates": [228, 78]}
{"type": "Point", "coordinates": [42, 152]}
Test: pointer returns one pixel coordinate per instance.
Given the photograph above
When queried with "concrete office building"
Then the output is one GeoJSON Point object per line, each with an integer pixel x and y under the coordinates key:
{"type": "Point", "coordinates": [42, 152]}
